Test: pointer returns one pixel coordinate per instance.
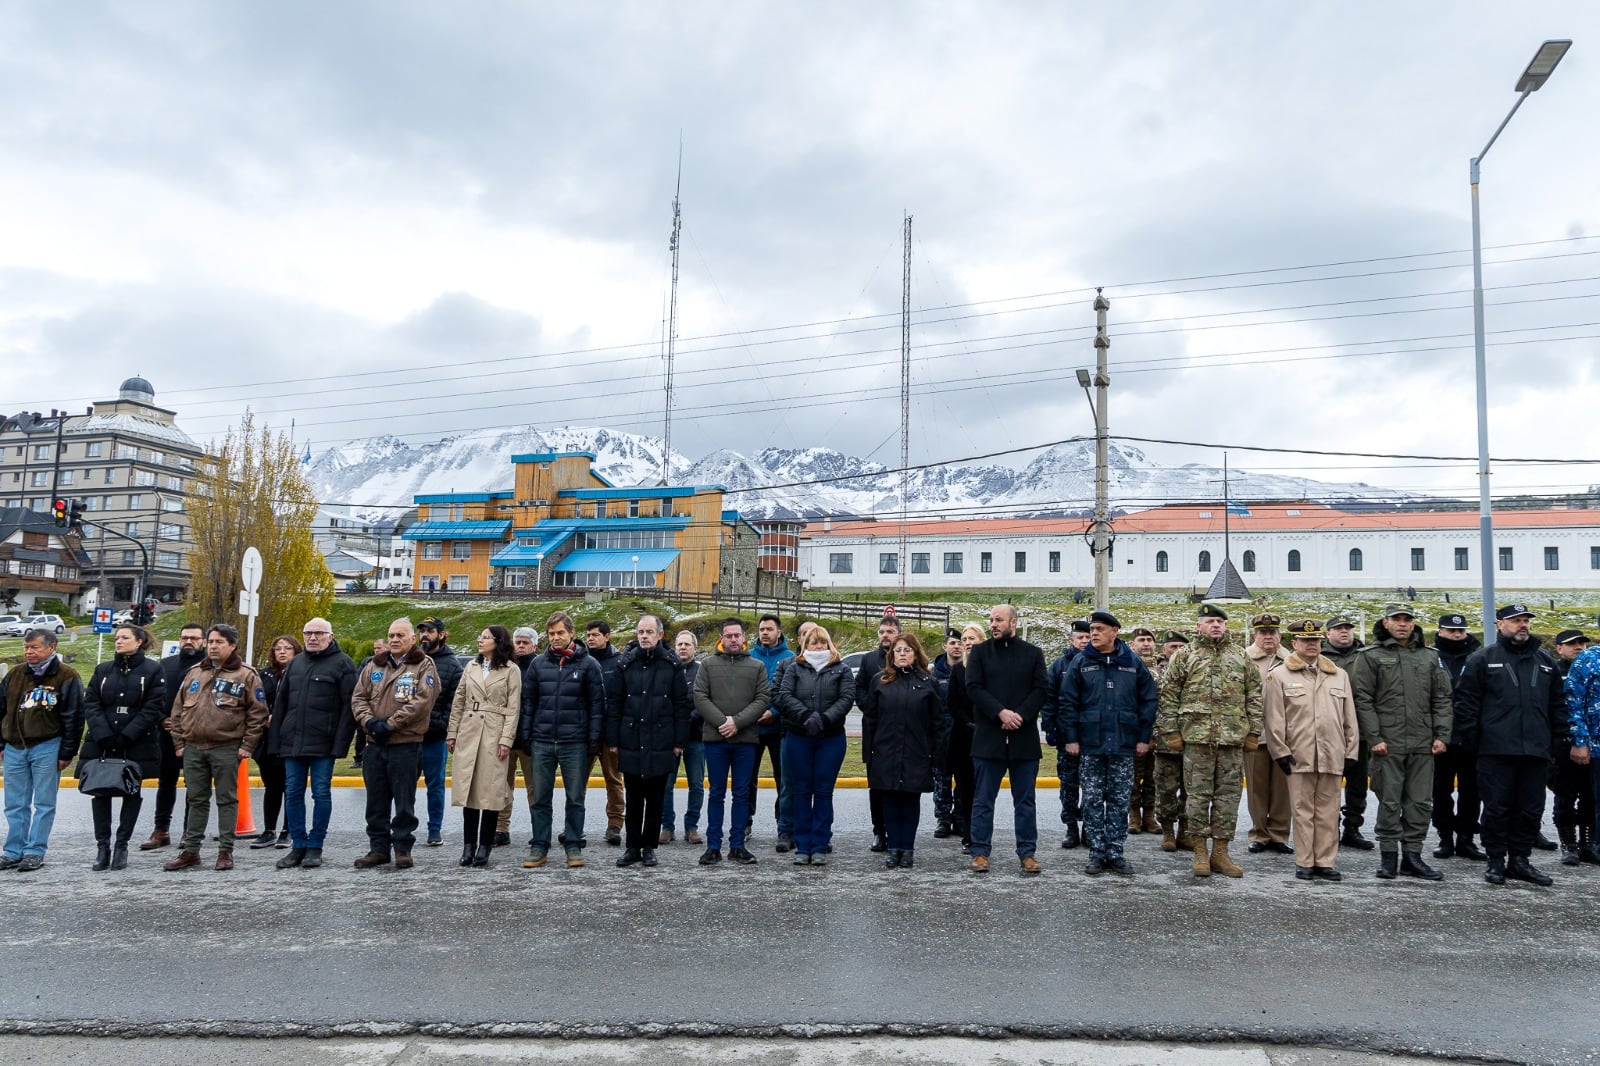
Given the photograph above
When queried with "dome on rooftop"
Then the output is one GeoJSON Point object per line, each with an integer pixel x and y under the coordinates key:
{"type": "Point", "coordinates": [137, 388]}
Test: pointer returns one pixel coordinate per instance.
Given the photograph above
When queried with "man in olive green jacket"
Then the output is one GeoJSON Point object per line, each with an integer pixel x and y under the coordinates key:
{"type": "Point", "coordinates": [1403, 703]}
{"type": "Point", "coordinates": [1211, 713]}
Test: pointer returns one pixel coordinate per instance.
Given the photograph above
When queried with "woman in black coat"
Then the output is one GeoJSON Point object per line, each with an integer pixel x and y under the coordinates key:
{"type": "Point", "coordinates": [815, 693]}
{"type": "Point", "coordinates": [279, 656]}
{"type": "Point", "coordinates": [901, 722]}
{"type": "Point", "coordinates": [647, 723]}
{"type": "Point", "coordinates": [123, 705]}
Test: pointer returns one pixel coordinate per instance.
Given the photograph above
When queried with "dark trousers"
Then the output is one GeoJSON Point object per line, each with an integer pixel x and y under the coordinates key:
{"type": "Point", "coordinates": [901, 813]}
{"type": "Point", "coordinates": [477, 826]}
{"type": "Point", "coordinates": [1067, 769]}
{"type": "Point", "coordinates": [390, 773]}
{"type": "Point", "coordinates": [1574, 798]}
{"type": "Point", "coordinates": [272, 782]}
{"type": "Point", "coordinates": [101, 808]}
{"type": "Point", "coordinates": [986, 787]}
{"type": "Point", "coordinates": [167, 782]}
{"type": "Point", "coordinates": [641, 810]}
{"type": "Point", "coordinates": [1355, 789]}
{"type": "Point", "coordinates": [1456, 805]}
{"type": "Point", "coordinates": [1512, 787]}
{"type": "Point", "coordinates": [875, 808]}
{"type": "Point", "coordinates": [772, 744]}
{"type": "Point", "coordinates": [959, 759]}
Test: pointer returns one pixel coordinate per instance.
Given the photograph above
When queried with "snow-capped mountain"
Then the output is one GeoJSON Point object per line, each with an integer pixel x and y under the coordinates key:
{"type": "Point", "coordinates": [382, 474]}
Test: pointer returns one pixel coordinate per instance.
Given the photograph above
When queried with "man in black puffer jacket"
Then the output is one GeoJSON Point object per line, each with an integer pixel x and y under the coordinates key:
{"type": "Point", "coordinates": [1509, 709]}
{"type": "Point", "coordinates": [434, 640]}
{"type": "Point", "coordinates": [191, 650]}
{"type": "Point", "coordinates": [647, 726]}
{"type": "Point", "coordinates": [311, 727]}
{"type": "Point", "coordinates": [563, 705]}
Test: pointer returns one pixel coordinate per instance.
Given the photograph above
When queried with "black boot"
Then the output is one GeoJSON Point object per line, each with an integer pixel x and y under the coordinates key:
{"type": "Point", "coordinates": [1543, 843]}
{"type": "Point", "coordinates": [102, 855]}
{"type": "Point", "coordinates": [891, 860]}
{"type": "Point", "coordinates": [1495, 872]}
{"type": "Point", "coordinates": [1447, 845]}
{"type": "Point", "coordinates": [468, 850]}
{"type": "Point", "coordinates": [481, 856]}
{"type": "Point", "coordinates": [880, 842]}
{"type": "Point", "coordinates": [119, 855]}
{"type": "Point", "coordinates": [1352, 837]}
{"type": "Point", "coordinates": [1569, 845]}
{"type": "Point", "coordinates": [1466, 849]}
{"type": "Point", "coordinates": [1520, 869]}
{"type": "Point", "coordinates": [1388, 865]}
{"type": "Point", "coordinates": [1072, 838]}
{"type": "Point", "coordinates": [906, 859]}
{"type": "Point", "coordinates": [1412, 866]}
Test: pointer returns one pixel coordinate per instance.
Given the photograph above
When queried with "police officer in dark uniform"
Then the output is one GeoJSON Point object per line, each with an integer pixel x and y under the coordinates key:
{"type": "Point", "coordinates": [1574, 798]}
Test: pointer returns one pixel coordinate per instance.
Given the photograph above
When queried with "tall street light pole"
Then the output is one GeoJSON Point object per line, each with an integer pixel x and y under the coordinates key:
{"type": "Point", "coordinates": [1102, 503]}
{"type": "Point", "coordinates": [1533, 78]}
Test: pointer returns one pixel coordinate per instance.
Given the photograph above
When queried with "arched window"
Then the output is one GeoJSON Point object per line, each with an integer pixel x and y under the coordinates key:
{"type": "Point", "coordinates": [1249, 562]}
{"type": "Point", "coordinates": [1205, 562]}
{"type": "Point", "coordinates": [1161, 562]}
{"type": "Point", "coordinates": [1355, 558]}
{"type": "Point", "coordinates": [1294, 560]}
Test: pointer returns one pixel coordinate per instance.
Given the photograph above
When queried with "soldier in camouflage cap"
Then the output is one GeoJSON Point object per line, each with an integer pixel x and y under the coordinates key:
{"type": "Point", "coordinates": [1340, 645]}
{"type": "Point", "coordinates": [1142, 803]}
{"type": "Point", "coordinates": [1211, 714]}
{"type": "Point", "coordinates": [1268, 786]}
{"type": "Point", "coordinates": [1167, 768]}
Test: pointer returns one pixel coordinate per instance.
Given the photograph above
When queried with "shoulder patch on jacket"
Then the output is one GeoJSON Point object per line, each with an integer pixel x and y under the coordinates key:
{"type": "Point", "coordinates": [375, 676]}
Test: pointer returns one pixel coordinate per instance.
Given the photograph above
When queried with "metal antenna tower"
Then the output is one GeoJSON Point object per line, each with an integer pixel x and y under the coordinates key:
{"type": "Point", "coordinates": [672, 321]}
{"type": "Point", "coordinates": [905, 404]}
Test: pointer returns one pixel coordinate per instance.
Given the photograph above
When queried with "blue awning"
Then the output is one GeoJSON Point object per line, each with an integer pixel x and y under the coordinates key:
{"type": "Point", "coordinates": [457, 531]}
{"type": "Point", "coordinates": [651, 560]}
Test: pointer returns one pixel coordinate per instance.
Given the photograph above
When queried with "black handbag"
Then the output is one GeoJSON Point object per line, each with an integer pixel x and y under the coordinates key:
{"type": "Point", "coordinates": [109, 777]}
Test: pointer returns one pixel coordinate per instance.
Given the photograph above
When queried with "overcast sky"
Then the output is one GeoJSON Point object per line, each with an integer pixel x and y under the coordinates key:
{"type": "Point", "coordinates": [424, 219]}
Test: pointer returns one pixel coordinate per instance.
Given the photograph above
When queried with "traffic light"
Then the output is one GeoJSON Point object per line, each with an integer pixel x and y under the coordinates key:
{"type": "Point", "coordinates": [75, 515]}
{"type": "Point", "coordinates": [59, 509]}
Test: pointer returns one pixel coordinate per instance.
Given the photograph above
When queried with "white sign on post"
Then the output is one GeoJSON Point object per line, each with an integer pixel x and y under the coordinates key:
{"type": "Point", "coordinates": [250, 599]}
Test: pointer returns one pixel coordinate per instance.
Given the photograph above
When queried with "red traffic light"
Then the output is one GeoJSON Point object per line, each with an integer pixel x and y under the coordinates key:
{"type": "Point", "coordinates": [59, 509]}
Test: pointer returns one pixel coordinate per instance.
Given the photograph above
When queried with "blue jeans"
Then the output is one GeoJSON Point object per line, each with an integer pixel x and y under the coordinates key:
{"type": "Point", "coordinates": [694, 766]}
{"type": "Point", "coordinates": [986, 775]}
{"type": "Point", "coordinates": [434, 756]}
{"type": "Point", "coordinates": [573, 759]}
{"type": "Point", "coordinates": [1107, 787]}
{"type": "Point", "coordinates": [31, 782]}
{"type": "Point", "coordinates": [810, 768]}
{"type": "Point", "coordinates": [772, 743]}
{"type": "Point", "coordinates": [296, 771]}
{"type": "Point", "coordinates": [721, 758]}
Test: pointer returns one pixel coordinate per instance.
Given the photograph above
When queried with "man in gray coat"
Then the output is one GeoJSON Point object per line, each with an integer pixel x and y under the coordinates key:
{"type": "Point", "coordinates": [731, 693]}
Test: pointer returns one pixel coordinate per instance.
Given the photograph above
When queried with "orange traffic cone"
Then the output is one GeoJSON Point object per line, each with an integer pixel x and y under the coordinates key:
{"type": "Point", "coordinates": [245, 825]}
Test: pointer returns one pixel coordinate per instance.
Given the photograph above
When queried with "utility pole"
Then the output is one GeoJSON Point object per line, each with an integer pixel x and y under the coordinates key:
{"type": "Point", "coordinates": [1102, 458]}
{"type": "Point", "coordinates": [905, 404]}
{"type": "Point", "coordinates": [672, 320]}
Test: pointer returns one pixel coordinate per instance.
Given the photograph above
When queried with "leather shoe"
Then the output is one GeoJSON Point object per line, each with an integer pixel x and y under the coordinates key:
{"type": "Point", "coordinates": [1519, 869]}
{"type": "Point", "coordinates": [880, 843]}
{"type": "Point", "coordinates": [1279, 847]}
{"type": "Point", "coordinates": [980, 864]}
{"type": "Point", "coordinates": [160, 838]}
{"type": "Point", "coordinates": [649, 857]}
{"type": "Point", "coordinates": [119, 855]}
{"type": "Point", "coordinates": [783, 845]}
{"type": "Point", "coordinates": [1303, 873]}
{"type": "Point", "coordinates": [907, 860]}
{"type": "Point", "coordinates": [372, 859]}
{"type": "Point", "coordinates": [224, 861]}
{"type": "Point", "coordinates": [613, 836]}
{"type": "Point", "coordinates": [402, 860]}
{"type": "Point", "coordinates": [630, 857]}
{"type": "Point", "coordinates": [182, 861]}
{"type": "Point", "coordinates": [1446, 848]}
{"type": "Point", "coordinates": [710, 857]}
{"type": "Point", "coordinates": [1326, 873]}
{"type": "Point", "coordinates": [891, 860]}
{"type": "Point", "coordinates": [1466, 849]}
{"type": "Point", "coordinates": [1256, 847]}
{"type": "Point", "coordinates": [741, 856]}
{"type": "Point", "coordinates": [502, 840]}
{"type": "Point", "coordinates": [291, 858]}
{"type": "Point", "coordinates": [313, 859]}
{"type": "Point", "coordinates": [1030, 866]}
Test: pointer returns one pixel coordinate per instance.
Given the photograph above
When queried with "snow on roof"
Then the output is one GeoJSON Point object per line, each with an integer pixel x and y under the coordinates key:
{"type": "Point", "coordinates": [130, 425]}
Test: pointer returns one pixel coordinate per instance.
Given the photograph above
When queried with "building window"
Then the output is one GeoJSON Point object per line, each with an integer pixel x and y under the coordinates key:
{"type": "Point", "coordinates": [1552, 558]}
{"type": "Point", "coordinates": [1461, 558]}
{"type": "Point", "coordinates": [1419, 559]}
{"type": "Point", "coordinates": [128, 557]}
{"type": "Point", "coordinates": [986, 562]}
{"type": "Point", "coordinates": [1205, 563]}
{"type": "Point", "coordinates": [952, 562]}
{"type": "Point", "coordinates": [66, 573]}
{"type": "Point", "coordinates": [144, 478]}
{"type": "Point", "coordinates": [516, 579]}
{"type": "Point", "coordinates": [459, 583]}
{"type": "Point", "coordinates": [1594, 558]}
{"type": "Point", "coordinates": [41, 451]}
{"type": "Point", "coordinates": [40, 479]}
{"type": "Point", "coordinates": [1055, 562]}
{"type": "Point", "coordinates": [66, 477]}
{"type": "Point", "coordinates": [1161, 562]}
{"type": "Point", "coordinates": [841, 563]}
{"type": "Point", "coordinates": [1355, 558]}
{"type": "Point", "coordinates": [158, 458]}
{"type": "Point", "coordinates": [94, 449]}
{"type": "Point", "coordinates": [1507, 559]}
{"type": "Point", "coordinates": [633, 508]}
{"type": "Point", "coordinates": [175, 484]}
{"type": "Point", "coordinates": [1249, 562]}
{"type": "Point", "coordinates": [135, 501]}
{"type": "Point", "coordinates": [433, 549]}
{"type": "Point", "coordinates": [171, 531]}
{"type": "Point", "coordinates": [127, 451]}
{"type": "Point", "coordinates": [111, 475]}
{"type": "Point", "coordinates": [1019, 563]}
{"type": "Point", "coordinates": [599, 508]}
{"type": "Point", "coordinates": [170, 504]}
{"type": "Point", "coordinates": [888, 562]}
{"type": "Point", "coordinates": [132, 529]}
{"type": "Point", "coordinates": [30, 569]}
{"type": "Point", "coordinates": [91, 503]}
{"type": "Point", "coordinates": [457, 512]}
{"type": "Point", "coordinates": [920, 562]}
{"type": "Point", "coordinates": [169, 559]}
{"type": "Point", "coordinates": [461, 549]}
{"type": "Point", "coordinates": [1294, 560]}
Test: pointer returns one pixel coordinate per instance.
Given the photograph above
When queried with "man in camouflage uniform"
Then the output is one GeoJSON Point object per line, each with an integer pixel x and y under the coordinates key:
{"type": "Point", "coordinates": [1142, 803]}
{"type": "Point", "coordinates": [1403, 704]}
{"type": "Point", "coordinates": [1267, 784]}
{"type": "Point", "coordinates": [1340, 646]}
{"type": "Point", "coordinates": [1211, 713]}
{"type": "Point", "coordinates": [1167, 768]}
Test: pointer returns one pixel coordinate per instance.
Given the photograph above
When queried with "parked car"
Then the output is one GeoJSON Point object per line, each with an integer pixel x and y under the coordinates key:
{"type": "Point", "coordinates": [8, 622]}
{"type": "Point", "coordinates": [123, 617]}
{"type": "Point", "coordinates": [51, 622]}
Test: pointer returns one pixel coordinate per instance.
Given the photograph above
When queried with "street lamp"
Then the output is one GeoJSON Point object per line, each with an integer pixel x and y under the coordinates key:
{"type": "Point", "coordinates": [1533, 78]}
{"type": "Point", "coordinates": [635, 571]}
{"type": "Point", "coordinates": [1097, 405]}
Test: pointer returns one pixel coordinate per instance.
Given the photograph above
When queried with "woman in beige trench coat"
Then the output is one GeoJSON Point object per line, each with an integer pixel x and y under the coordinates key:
{"type": "Point", "coordinates": [1309, 729]}
{"type": "Point", "coordinates": [483, 723]}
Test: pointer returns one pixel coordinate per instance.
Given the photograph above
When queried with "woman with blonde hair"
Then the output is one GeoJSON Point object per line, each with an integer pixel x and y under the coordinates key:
{"type": "Point", "coordinates": [483, 723]}
{"type": "Point", "coordinates": [815, 692]}
{"type": "Point", "coordinates": [901, 721]}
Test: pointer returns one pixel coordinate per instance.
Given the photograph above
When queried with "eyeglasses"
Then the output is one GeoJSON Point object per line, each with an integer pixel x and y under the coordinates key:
{"type": "Point", "coordinates": [316, 632]}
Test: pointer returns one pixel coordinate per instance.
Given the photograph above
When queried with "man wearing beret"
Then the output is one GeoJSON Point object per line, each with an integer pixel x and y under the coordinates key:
{"type": "Point", "coordinates": [1340, 646]}
{"type": "Point", "coordinates": [1167, 768]}
{"type": "Point", "coordinates": [1403, 704]}
{"type": "Point", "coordinates": [1456, 807]}
{"type": "Point", "coordinates": [1142, 803]}
{"type": "Point", "coordinates": [1309, 723]}
{"type": "Point", "coordinates": [1049, 718]}
{"type": "Point", "coordinates": [1268, 787]}
{"type": "Point", "coordinates": [1509, 708]}
{"type": "Point", "coordinates": [1211, 714]}
{"type": "Point", "coordinates": [1569, 781]}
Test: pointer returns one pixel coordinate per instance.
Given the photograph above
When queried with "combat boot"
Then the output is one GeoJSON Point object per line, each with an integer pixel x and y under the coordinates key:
{"type": "Point", "coordinates": [1466, 849]}
{"type": "Point", "coordinates": [1202, 862]}
{"type": "Point", "coordinates": [1135, 825]}
{"type": "Point", "coordinates": [1352, 837]}
{"type": "Point", "coordinates": [1168, 841]}
{"type": "Point", "coordinates": [1411, 865]}
{"type": "Point", "coordinates": [1569, 845]}
{"type": "Point", "coordinates": [1152, 824]}
{"type": "Point", "coordinates": [1388, 865]}
{"type": "Point", "coordinates": [1185, 841]}
{"type": "Point", "coordinates": [1221, 862]}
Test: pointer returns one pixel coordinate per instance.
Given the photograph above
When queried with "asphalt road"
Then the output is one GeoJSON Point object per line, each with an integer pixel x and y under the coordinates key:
{"type": "Point", "coordinates": [1454, 969]}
